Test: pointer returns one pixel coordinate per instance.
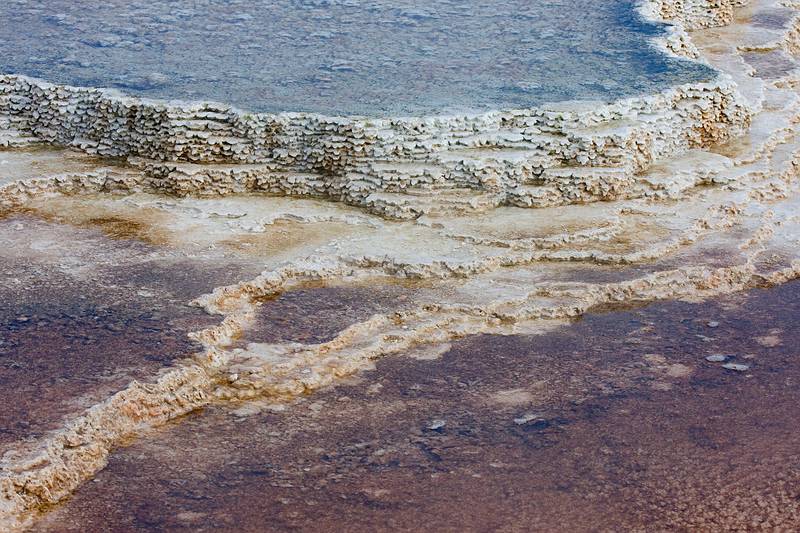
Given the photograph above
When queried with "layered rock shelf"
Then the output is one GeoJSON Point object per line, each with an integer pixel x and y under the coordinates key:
{"type": "Point", "coordinates": [560, 154]}
{"type": "Point", "coordinates": [695, 14]}
{"type": "Point", "coordinates": [526, 158]}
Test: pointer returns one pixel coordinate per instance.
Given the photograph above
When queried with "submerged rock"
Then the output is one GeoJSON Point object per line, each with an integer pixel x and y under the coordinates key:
{"type": "Point", "coordinates": [738, 367]}
{"type": "Point", "coordinates": [436, 425]}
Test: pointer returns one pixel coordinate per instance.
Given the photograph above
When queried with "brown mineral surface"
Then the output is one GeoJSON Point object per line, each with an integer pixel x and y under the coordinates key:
{"type": "Point", "coordinates": [81, 315]}
{"type": "Point", "coordinates": [616, 422]}
{"type": "Point", "coordinates": [315, 315]}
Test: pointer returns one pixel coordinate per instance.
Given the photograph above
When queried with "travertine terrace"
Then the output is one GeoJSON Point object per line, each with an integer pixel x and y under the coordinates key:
{"type": "Point", "coordinates": [523, 157]}
{"type": "Point", "coordinates": [503, 222]}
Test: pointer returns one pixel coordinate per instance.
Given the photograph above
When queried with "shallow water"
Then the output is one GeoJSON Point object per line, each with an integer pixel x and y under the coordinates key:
{"type": "Point", "coordinates": [317, 315]}
{"type": "Point", "coordinates": [344, 56]}
{"type": "Point", "coordinates": [615, 423]}
{"type": "Point", "coordinates": [82, 314]}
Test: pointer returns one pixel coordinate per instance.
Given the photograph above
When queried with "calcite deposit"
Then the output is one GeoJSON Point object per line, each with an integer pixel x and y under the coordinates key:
{"type": "Point", "coordinates": [528, 158]}
{"type": "Point", "coordinates": [553, 155]}
{"type": "Point", "coordinates": [505, 222]}
{"type": "Point", "coordinates": [695, 14]}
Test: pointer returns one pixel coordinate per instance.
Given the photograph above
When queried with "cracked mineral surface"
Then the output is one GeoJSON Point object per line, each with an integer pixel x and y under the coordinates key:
{"type": "Point", "coordinates": [537, 314]}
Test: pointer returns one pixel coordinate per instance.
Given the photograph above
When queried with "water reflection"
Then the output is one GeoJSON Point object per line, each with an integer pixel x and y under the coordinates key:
{"type": "Point", "coordinates": [343, 56]}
